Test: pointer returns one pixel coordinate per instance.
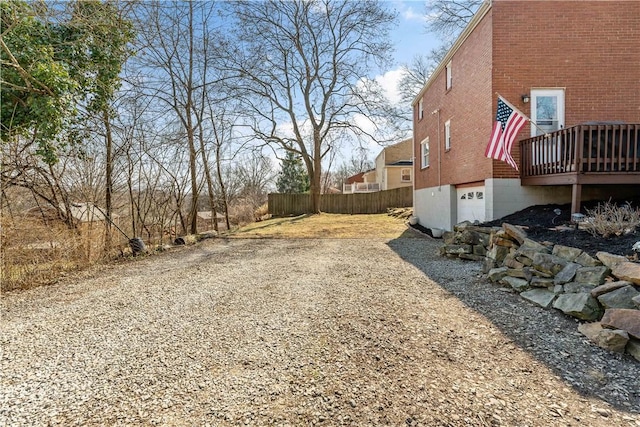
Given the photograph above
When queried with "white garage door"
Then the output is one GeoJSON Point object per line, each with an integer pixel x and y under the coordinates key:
{"type": "Point", "coordinates": [471, 204]}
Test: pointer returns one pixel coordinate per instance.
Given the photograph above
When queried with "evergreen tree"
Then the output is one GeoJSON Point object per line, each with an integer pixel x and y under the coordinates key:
{"type": "Point", "coordinates": [293, 178]}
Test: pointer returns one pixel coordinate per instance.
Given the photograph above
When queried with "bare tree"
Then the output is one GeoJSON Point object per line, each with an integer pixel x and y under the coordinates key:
{"type": "Point", "coordinates": [301, 67]}
{"type": "Point", "coordinates": [414, 77]}
{"type": "Point", "coordinates": [173, 41]}
{"type": "Point", "coordinates": [448, 18]}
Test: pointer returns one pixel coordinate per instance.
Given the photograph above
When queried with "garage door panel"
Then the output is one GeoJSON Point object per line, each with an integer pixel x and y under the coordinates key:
{"type": "Point", "coordinates": [471, 204]}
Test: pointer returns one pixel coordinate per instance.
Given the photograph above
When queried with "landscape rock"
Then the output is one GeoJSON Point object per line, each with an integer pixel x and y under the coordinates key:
{"type": "Point", "coordinates": [529, 244]}
{"type": "Point", "coordinates": [496, 274]}
{"type": "Point", "coordinates": [488, 264]}
{"type": "Point", "coordinates": [541, 282]}
{"type": "Point", "coordinates": [548, 263]}
{"type": "Point", "coordinates": [516, 283]}
{"type": "Point", "coordinates": [457, 249]}
{"type": "Point", "coordinates": [507, 243]}
{"type": "Point", "coordinates": [580, 305]}
{"type": "Point", "coordinates": [610, 260]}
{"type": "Point", "coordinates": [567, 273]}
{"type": "Point", "coordinates": [498, 253]}
{"type": "Point", "coordinates": [471, 257]}
{"type": "Point", "coordinates": [522, 273]}
{"type": "Point", "coordinates": [633, 348]}
{"type": "Point", "coordinates": [587, 261]}
{"type": "Point", "coordinates": [517, 233]}
{"type": "Point", "coordinates": [479, 250]}
{"type": "Point", "coordinates": [566, 252]}
{"type": "Point", "coordinates": [613, 340]}
{"type": "Point", "coordinates": [526, 253]}
{"type": "Point", "coordinates": [511, 262]}
{"type": "Point", "coordinates": [468, 237]}
{"type": "Point", "coordinates": [608, 287]}
{"type": "Point", "coordinates": [525, 260]}
{"type": "Point", "coordinates": [627, 270]}
{"type": "Point", "coordinates": [619, 298]}
{"type": "Point", "coordinates": [622, 318]}
{"type": "Point", "coordinates": [558, 289]}
{"type": "Point", "coordinates": [449, 237]}
{"type": "Point", "coordinates": [595, 275]}
{"type": "Point", "coordinates": [636, 301]}
{"type": "Point", "coordinates": [576, 287]}
{"type": "Point", "coordinates": [541, 297]}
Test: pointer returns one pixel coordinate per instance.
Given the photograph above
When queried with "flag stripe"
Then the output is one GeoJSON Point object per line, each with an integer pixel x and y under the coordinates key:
{"type": "Point", "coordinates": [505, 129]}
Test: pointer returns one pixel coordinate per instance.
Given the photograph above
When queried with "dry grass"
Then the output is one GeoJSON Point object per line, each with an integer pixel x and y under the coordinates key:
{"type": "Point", "coordinates": [328, 226]}
{"type": "Point", "coordinates": [609, 219]}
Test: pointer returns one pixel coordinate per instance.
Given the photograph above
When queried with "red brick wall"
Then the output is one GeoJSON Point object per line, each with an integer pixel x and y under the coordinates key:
{"type": "Point", "coordinates": [468, 105]}
{"type": "Point", "coordinates": [590, 48]}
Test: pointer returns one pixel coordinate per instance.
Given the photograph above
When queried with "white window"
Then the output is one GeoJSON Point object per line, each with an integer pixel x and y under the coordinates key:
{"type": "Point", "coordinates": [447, 135]}
{"type": "Point", "coordinates": [420, 110]}
{"type": "Point", "coordinates": [449, 75]}
{"type": "Point", "coordinates": [405, 175]}
{"type": "Point", "coordinates": [424, 149]}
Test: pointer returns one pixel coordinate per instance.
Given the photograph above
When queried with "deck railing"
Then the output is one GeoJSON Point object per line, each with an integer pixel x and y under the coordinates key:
{"type": "Point", "coordinates": [361, 187]}
{"type": "Point", "coordinates": [604, 148]}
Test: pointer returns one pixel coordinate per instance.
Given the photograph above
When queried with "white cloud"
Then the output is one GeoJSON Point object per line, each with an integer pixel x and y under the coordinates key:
{"type": "Point", "coordinates": [389, 83]}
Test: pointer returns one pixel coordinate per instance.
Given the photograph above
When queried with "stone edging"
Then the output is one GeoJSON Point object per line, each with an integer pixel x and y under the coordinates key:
{"type": "Point", "coordinates": [604, 290]}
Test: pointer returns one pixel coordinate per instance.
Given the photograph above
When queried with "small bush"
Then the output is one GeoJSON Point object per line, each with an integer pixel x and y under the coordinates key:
{"type": "Point", "coordinates": [609, 219]}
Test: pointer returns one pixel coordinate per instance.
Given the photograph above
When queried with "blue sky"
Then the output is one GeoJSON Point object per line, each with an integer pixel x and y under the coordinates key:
{"type": "Point", "coordinates": [410, 38]}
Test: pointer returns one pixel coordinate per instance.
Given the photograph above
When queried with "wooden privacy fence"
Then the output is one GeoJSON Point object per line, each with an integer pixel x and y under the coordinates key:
{"type": "Point", "coordinates": [356, 203]}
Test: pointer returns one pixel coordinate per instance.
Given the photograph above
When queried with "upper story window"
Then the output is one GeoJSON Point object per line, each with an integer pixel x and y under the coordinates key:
{"type": "Point", "coordinates": [405, 175]}
{"type": "Point", "coordinates": [420, 110]}
{"type": "Point", "coordinates": [447, 135]}
{"type": "Point", "coordinates": [449, 75]}
{"type": "Point", "coordinates": [424, 149]}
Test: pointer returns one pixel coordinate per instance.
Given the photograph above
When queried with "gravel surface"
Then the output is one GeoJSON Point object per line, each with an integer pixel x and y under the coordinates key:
{"type": "Point", "coordinates": [301, 332]}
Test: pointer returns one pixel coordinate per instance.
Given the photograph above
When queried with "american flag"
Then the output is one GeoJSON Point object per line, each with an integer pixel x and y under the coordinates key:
{"type": "Point", "coordinates": [508, 123]}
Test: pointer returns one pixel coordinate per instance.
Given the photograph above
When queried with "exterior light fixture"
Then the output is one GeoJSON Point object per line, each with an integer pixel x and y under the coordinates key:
{"type": "Point", "coordinates": [525, 98]}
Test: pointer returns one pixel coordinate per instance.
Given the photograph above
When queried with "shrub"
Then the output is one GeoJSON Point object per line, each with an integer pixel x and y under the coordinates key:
{"type": "Point", "coordinates": [609, 219]}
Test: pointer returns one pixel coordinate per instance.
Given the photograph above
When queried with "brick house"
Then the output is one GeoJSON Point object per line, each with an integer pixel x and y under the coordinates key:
{"type": "Point", "coordinates": [565, 64]}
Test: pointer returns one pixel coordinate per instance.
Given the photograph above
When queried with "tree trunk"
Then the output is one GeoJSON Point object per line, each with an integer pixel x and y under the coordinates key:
{"type": "Point", "coordinates": [223, 189]}
{"type": "Point", "coordinates": [108, 190]}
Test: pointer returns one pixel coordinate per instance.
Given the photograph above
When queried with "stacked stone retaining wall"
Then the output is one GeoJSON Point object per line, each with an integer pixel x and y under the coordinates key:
{"type": "Point", "coordinates": [604, 291]}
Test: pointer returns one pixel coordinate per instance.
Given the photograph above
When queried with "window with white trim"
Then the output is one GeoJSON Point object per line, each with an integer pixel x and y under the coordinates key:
{"type": "Point", "coordinates": [420, 110]}
{"type": "Point", "coordinates": [424, 149]}
{"type": "Point", "coordinates": [447, 135]}
{"type": "Point", "coordinates": [449, 75]}
{"type": "Point", "coordinates": [405, 175]}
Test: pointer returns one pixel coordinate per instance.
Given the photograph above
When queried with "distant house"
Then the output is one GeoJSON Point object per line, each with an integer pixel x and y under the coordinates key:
{"type": "Point", "coordinates": [393, 169]}
{"type": "Point", "coordinates": [573, 68]}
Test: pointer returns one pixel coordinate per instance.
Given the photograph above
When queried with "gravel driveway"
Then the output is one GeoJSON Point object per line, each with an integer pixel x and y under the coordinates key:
{"type": "Point", "coordinates": [301, 332]}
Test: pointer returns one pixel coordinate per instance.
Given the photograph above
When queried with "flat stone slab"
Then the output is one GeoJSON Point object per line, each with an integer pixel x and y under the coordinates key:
{"type": "Point", "coordinates": [610, 260]}
{"type": "Point", "coordinates": [622, 318]}
{"type": "Point", "coordinates": [629, 271]}
{"type": "Point", "coordinates": [581, 305]}
{"type": "Point", "coordinates": [613, 340]}
{"type": "Point", "coordinates": [595, 275]}
{"type": "Point", "coordinates": [541, 297]}
{"type": "Point", "coordinates": [515, 232]}
{"type": "Point", "coordinates": [608, 287]}
{"type": "Point", "coordinates": [566, 252]}
{"type": "Point", "coordinates": [620, 298]}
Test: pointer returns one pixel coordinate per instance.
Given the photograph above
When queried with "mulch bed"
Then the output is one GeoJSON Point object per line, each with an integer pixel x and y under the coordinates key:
{"type": "Point", "coordinates": [542, 224]}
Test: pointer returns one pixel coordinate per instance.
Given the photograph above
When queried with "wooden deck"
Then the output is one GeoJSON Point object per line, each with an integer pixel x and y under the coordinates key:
{"type": "Point", "coordinates": [584, 154]}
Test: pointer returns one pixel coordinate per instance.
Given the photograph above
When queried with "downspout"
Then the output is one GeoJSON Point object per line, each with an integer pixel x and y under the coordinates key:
{"type": "Point", "coordinates": [439, 152]}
